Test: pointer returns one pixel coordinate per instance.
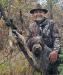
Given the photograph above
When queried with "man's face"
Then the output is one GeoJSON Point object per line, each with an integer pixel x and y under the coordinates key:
{"type": "Point", "coordinates": [38, 15]}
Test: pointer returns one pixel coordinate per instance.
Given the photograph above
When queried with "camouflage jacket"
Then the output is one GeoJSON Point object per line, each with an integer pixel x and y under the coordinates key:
{"type": "Point", "coordinates": [49, 32]}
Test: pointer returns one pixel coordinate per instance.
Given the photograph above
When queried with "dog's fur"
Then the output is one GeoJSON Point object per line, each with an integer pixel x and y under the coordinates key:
{"type": "Point", "coordinates": [40, 52]}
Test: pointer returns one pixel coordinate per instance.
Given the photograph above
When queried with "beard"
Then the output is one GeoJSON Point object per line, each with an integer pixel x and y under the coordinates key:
{"type": "Point", "coordinates": [39, 18]}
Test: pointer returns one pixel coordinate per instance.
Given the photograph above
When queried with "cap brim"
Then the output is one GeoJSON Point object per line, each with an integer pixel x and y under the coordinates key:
{"type": "Point", "coordinates": [43, 10]}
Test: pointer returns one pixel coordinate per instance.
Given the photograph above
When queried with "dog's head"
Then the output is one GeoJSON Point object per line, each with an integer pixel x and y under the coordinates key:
{"type": "Point", "coordinates": [36, 45]}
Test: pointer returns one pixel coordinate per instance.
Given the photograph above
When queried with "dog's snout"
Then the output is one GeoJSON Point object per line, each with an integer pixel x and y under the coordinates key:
{"type": "Point", "coordinates": [37, 53]}
{"type": "Point", "coordinates": [37, 48]}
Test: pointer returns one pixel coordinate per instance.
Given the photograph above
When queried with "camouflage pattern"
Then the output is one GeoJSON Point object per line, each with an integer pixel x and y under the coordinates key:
{"type": "Point", "coordinates": [49, 32]}
{"type": "Point", "coordinates": [50, 35]}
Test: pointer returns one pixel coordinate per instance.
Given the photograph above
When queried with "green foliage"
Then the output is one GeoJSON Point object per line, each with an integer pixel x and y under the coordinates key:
{"type": "Point", "coordinates": [4, 3]}
{"type": "Point", "coordinates": [4, 67]}
{"type": "Point", "coordinates": [19, 63]}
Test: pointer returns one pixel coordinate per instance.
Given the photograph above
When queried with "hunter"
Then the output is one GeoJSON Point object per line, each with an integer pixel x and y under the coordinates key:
{"type": "Point", "coordinates": [46, 28]}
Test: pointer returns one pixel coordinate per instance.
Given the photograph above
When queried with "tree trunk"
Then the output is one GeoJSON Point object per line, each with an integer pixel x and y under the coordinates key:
{"type": "Point", "coordinates": [49, 2]}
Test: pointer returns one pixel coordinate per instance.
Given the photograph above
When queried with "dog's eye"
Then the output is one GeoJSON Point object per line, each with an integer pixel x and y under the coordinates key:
{"type": "Point", "coordinates": [40, 44]}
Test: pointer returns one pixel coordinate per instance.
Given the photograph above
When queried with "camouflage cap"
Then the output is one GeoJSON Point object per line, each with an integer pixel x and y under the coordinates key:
{"type": "Point", "coordinates": [39, 8]}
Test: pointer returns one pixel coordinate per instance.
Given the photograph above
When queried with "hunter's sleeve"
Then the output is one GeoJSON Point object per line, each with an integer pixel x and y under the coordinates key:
{"type": "Point", "coordinates": [56, 37]}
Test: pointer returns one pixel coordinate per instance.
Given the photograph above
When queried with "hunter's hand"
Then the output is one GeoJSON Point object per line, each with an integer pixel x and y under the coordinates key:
{"type": "Point", "coordinates": [53, 56]}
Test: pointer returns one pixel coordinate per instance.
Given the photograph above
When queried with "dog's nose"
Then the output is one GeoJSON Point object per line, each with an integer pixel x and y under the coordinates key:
{"type": "Point", "coordinates": [37, 52]}
{"type": "Point", "coordinates": [37, 48]}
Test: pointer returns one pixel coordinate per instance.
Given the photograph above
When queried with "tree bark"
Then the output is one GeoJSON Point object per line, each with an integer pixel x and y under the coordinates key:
{"type": "Point", "coordinates": [49, 2]}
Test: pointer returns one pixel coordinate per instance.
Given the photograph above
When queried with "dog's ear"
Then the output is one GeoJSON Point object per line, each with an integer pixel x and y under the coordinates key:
{"type": "Point", "coordinates": [29, 44]}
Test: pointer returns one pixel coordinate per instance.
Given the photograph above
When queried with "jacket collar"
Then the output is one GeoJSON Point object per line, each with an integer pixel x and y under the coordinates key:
{"type": "Point", "coordinates": [41, 23]}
